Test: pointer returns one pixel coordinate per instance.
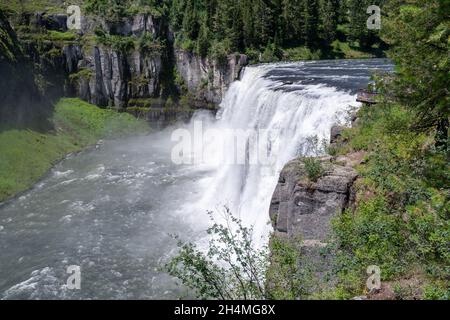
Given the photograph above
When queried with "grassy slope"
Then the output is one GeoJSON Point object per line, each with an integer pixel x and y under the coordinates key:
{"type": "Point", "coordinates": [26, 155]}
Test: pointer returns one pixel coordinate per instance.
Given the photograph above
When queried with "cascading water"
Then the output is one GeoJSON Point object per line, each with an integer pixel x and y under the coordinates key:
{"type": "Point", "coordinates": [277, 117]}
{"type": "Point", "coordinates": [110, 210]}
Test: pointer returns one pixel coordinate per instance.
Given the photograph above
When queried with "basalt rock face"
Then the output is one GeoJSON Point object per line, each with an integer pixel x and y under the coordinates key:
{"type": "Point", "coordinates": [209, 79]}
{"type": "Point", "coordinates": [106, 75]}
{"type": "Point", "coordinates": [22, 103]}
{"type": "Point", "coordinates": [304, 208]}
{"type": "Point", "coordinates": [113, 77]}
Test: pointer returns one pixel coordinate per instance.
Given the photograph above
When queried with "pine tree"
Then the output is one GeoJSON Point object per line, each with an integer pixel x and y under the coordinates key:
{"type": "Point", "coordinates": [190, 22]}
{"type": "Point", "coordinates": [311, 26]}
{"type": "Point", "coordinates": [329, 10]}
{"type": "Point", "coordinates": [419, 34]}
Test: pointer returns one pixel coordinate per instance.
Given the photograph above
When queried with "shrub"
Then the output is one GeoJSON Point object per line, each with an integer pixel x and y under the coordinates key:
{"type": "Point", "coordinates": [253, 55]}
{"type": "Point", "coordinates": [314, 168]}
{"type": "Point", "coordinates": [147, 44]}
{"type": "Point", "coordinates": [271, 53]}
{"type": "Point", "coordinates": [232, 268]}
{"type": "Point", "coordinates": [285, 279]}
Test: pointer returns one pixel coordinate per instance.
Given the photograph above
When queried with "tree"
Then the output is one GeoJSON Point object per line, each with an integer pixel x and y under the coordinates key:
{"type": "Point", "coordinates": [419, 35]}
{"type": "Point", "coordinates": [235, 268]}
{"type": "Point", "coordinates": [329, 10]}
{"type": "Point", "coordinates": [311, 16]}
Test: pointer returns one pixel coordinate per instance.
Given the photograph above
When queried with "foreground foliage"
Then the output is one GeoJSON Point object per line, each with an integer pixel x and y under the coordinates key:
{"type": "Point", "coordinates": [233, 267]}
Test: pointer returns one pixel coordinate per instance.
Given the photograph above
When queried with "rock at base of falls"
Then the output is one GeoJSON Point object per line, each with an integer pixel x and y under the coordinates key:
{"type": "Point", "coordinates": [303, 209]}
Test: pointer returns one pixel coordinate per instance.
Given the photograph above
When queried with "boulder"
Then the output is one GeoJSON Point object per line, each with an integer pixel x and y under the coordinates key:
{"type": "Point", "coordinates": [303, 209]}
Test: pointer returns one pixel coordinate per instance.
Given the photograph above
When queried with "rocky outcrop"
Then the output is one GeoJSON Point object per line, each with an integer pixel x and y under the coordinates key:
{"type": "Point", "coordinates": [109, 77]}
{"type": "Point", "coordinates": [304, 208]}
{"type": "Point", "coordinates": [336, 133]}
{"type": "Point", "coordinates": [206, 78]}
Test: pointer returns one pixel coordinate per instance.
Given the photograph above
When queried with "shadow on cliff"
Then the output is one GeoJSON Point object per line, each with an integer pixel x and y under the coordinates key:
{"type": "Point", "coordinates": [22, 104]}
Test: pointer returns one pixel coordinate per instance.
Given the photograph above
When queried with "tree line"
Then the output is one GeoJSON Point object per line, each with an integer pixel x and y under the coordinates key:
{"type": "Point", "coordinates": [238, 25]}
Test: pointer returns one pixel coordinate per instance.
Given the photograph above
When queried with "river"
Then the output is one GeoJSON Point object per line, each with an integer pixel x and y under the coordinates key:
{"type": "Point", "coordinates": [112, 209]}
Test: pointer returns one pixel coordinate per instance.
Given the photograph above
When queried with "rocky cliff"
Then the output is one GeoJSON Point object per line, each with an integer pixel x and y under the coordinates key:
{"type": "Point", "coordinates": [22, 102]}
{"type": "Point", "coordinates": [206, 78]}
{"type": "Point", "coordinates": [302, 210]}
{"type": "Point", "coordinates": [118, 63]}
{"type": "Point", "coordinates": [303, 207]}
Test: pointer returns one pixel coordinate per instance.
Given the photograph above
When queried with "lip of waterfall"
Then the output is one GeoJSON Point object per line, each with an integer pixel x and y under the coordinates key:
{"type": "Point", "coordinates": [291, 116]}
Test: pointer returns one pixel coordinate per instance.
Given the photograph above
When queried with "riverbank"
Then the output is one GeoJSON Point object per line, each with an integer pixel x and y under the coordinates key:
{"type": "Point", "coordinates": [26, 155]}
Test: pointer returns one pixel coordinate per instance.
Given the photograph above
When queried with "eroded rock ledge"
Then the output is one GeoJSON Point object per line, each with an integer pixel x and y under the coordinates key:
{"type": "Point", "coordinates": [304, 208]}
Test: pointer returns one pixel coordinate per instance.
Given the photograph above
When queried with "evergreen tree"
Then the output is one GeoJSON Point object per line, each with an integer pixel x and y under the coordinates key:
{"type": "Point", "coordinates": [329, 10]}
{"type": "Point", "coordinates": [190, 20]}
{"type": "Point", "coordinates": [238, 25]}
{"type": "Point", "coordinates": [292, 21]}
{"type": "Point", "coordinates": [311, 17]}
{"type": "Point", "coordinates": [419, 34]}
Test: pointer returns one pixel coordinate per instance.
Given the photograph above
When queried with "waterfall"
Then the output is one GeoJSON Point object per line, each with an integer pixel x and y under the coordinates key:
{"type": "Point", "coordinates": [285, 114]}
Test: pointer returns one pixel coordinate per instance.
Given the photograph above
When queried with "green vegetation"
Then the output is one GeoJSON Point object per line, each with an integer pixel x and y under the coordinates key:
{"type": "Point", "coordinates": [285, 280]}
{"type": "Point", "coordinates": [26, 155]}
{"type": "Point", "coordinates": [83, 73]}
{"type": "Point", "coordinates": [119, 43]}
{"type": "Point", "coordinates": [401, 221]}
{"type": "Point", "coordinates": [314, 168]}
{"type": "Point", "coordinates": [234, 267]}
{"type": "Point", "coordinates": [9, 49]}
{"type": "Point", "coordinates": [273, 30]}
{"type": "Point", "coordinates": [18, 7]}
{"type": "Point", "coordinates": [61, 36]}
{"type": "Point", "coordinates": [113, 10]}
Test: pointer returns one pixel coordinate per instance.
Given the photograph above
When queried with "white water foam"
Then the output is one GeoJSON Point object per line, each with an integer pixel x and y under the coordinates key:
{"type": "Point", "coordinates": [289, 117]}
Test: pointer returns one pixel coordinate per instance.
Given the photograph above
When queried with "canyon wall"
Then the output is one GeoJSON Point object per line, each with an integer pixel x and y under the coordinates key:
{"type": "Point", "coordinates": [22, 102]}
{"type": "Point", "coordinates": [131, 60]}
